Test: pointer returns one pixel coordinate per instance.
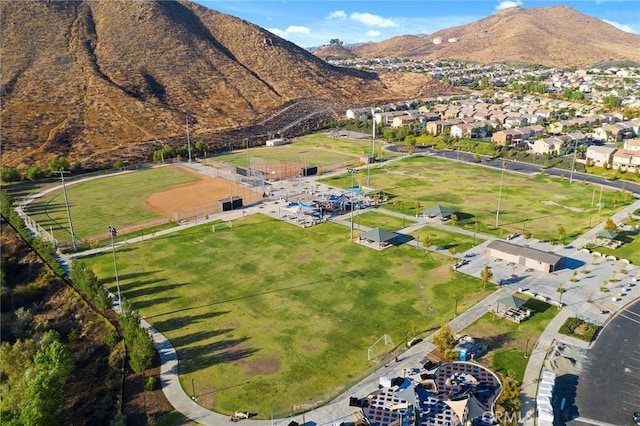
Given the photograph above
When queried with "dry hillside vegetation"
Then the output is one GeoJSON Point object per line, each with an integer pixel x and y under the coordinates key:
{"type": "Point", "coordinates": [115, 78]}
{"type": "Point", "coordinates": [556, 36]}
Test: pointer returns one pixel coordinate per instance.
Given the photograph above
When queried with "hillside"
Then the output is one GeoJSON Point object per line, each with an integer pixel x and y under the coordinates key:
{"type": "Point", "coordinates": [97, 80]}
{"type": "Point", "coordinates": [555, 36]}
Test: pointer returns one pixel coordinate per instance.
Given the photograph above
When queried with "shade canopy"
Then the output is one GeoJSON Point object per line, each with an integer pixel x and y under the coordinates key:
{"type": "Point", "coordinates": [379, 235]}
{"type": "Point", "coordinates": [512, 301]}
{"type": "Point", "coordinates": [610, 235]}
{"type": "Point", "coordinates": [438, 211]}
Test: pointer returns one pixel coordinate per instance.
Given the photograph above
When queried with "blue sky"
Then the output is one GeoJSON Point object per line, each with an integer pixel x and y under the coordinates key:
{"type": "Point", "coordinates": [310, 23]}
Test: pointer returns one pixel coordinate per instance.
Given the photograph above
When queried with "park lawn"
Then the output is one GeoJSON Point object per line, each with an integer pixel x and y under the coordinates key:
{"type": "Point", "coordinates": [507, 340]}
{"type": "Point", "coordinates": [630, 250]}
{"type": "Point", "coordinates": [266, 316]}
{"type": "Point", "coordinates": [375, 219]}
{"type": "Point", "coordinates": [300, 154]}
{"type": "Point", "coordinates": [536, 204]}
{"type": "Point", "coordinates": [448, 240]}
{"type": "Point", "coordinates": [115, 200]}
{"type": "Point", "coordinates": [355, 147]}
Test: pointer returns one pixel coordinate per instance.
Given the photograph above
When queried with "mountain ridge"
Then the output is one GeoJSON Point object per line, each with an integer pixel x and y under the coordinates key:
{"type": "Point", "coordinates": [85, 77]}
{"type": "Point", "coordinates": [542, 35]}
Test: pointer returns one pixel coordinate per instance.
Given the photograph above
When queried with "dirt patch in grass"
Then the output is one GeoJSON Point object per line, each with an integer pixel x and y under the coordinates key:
{"type": "Point", "coordinates": [262, 366]}
{"type": "Point", "coordinates": [553, 203]}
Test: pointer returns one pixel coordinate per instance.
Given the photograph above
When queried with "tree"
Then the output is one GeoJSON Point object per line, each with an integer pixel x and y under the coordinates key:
{"type": "Point", "coordinates": [22, 323]}
{"type": "Point", "coordinates": [9, 174]}
{"type": "Point", "coordinates": [34, 173]}
{"type": "Point", "coordinates": [454, 218]}
{"type": "Point", "coordinates": [34, 377]}
{"type": "Point", "coordinates": [53, 365]}
{"type": "Point", "coordinates": [389, 134]}
{"type": "Point", "coordinates": [427, 241]}
{"type": "Point", "coordinates": [201, 148]}
{"type": "Point", "coordinates": [143, 351]}
{"type": "Point", "coordinates": [562, 233]}
{"type": "Point", "coordinates": [510, 396]}
{"type": "Point", "coordinates": [59, 164]}
{"type": "Point", "coordinates": [486, 275]}
{"type": "Point", "coordinates": [85, 279]}
{"type": "Point", "coordinates": [610, 225]}
{"type": "Point", "coordinates": [444, 339]}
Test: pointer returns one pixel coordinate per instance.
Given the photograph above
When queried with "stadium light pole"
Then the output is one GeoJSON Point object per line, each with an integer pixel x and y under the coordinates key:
{"type": "Point", "coordinates": [353, 172]}
{"type": "Point", "coordinates": [373, 154]}
{"type": "Point", "coordinates": [573, 163]}
{"type": "Point", "coordinates": [188, 139]}
{"type": "Point", "coordinates": [246, 143]}
{"type": "Point", "coordinates": [504, 166]}
{"type": "Point", "coordinates": [66, 204]}
{"type": "Point", "coordinates": [114, 232]}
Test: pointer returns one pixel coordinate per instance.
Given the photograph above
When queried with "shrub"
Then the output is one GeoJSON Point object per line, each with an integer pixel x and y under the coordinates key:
{"type": "Point", "coordinates": [575, 327]}
{"type": "Point", "coordinates": [149, 384]}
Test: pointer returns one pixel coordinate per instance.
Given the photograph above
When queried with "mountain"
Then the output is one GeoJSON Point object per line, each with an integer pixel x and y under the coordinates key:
{"type": "Point", "coordinates": [556, 36]}
{"type": "Point", "coordinates": [97, 80]}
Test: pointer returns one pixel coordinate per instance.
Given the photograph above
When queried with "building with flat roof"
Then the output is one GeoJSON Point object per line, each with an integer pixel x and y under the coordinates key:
{"type": "Point", "coordinates": [524, 255]}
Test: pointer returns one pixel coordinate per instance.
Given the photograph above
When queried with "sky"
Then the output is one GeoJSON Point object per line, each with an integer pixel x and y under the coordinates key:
{"type": "Point", "coordinates": [312, 23]}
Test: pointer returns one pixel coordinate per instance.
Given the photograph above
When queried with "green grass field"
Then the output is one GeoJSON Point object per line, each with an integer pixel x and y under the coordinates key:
{"type": "Point", "coordinates": [630, 250]}
{"type": "Point", "coordinates": [446, 239]}
{"type": "Point", "coordinates": [374, 219]}
{"type": "Point", "coordinates": [355, 147]}
{"type": "Point", "coordinates": [507, 340]}
{"type": "Point", "coordinates": [297, 153]}
{"type": "Point", "coordinates": [266, 316]}
{"type": "Point", "coordinates": [96, 204]}
{"type": "Point", "coordinates": [537, 204]}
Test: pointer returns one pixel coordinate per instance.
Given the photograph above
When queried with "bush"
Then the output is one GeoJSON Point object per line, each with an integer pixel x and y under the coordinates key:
{"type": "Point", "coordinates": [9, 174]}
{"type": "Point", "coordinates": [149, 384]}
{"type": "Point", "coordinates": [112, 338]}
{"type": "Point", "coordinates": [575, 327]}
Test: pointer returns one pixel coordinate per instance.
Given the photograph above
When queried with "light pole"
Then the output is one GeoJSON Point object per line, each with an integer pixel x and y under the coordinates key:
{"type": "Point", "coordinates": [188, 139]}
{"type": "Point", "coordinates": [114, 233]}
{"type": "Point", "coordinates": [526, 349]}
{"type": "Point", "coordinates": [66, 203]}
{"type": "Point", "coordinates": [373, 154]}
{"type": "Point", "coordinates": [353, 172]}
{"type": "Point", "coordinates": [504, 166]}
{"type": "Point", "coordinates": [246, 143]}
{"type": "Point", "coordinates": [573, 163]}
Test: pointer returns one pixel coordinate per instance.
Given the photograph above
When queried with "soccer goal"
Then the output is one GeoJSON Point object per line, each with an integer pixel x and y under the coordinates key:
{"type": "Point", "coordinates": [380, 349]}
{"type": "Point", "coordinates": [221, 225]}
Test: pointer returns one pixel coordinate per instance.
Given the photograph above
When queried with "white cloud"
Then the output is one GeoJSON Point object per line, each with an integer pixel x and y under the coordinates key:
{"type": "Point", "coordinates": [338, 14]}
{"type": "Point", "coordinates": [297, 29]}
{"type": "Point", "coordinates": [371, 20]}
{"type": "Point", "coordinates": [624, 27]}
{"type": "Point", "coordinates": [291, 30]}
{"type": "Point", "coordinates": [509, 3]}
{"type": "Point", "coordinates": [276, 31]}
{"type": "Point", "coordinates": [373, 33]}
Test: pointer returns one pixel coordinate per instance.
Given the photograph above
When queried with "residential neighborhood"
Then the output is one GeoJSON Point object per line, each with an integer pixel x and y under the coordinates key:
{"type": "Point", "coordinates": [539, 123]}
